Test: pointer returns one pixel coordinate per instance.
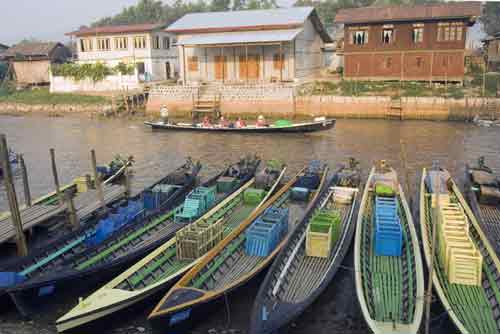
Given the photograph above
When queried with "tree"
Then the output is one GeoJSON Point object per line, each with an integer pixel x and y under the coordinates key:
{"type": "Point", "coordinates": [491, 18]}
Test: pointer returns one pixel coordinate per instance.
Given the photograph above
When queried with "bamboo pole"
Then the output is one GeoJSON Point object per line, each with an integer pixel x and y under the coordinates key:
{"type": "Point", "coordinates": [72, 216]}
{"type": "Point", "coordinates": [54, 173]}
{"type": "Point", "coordinates": [97, 179]}
{"type": "Point", "coordinates": [26, 186]}
{"type": "Point", "coordinates": [428, 295]}
{"type": "Point", "coordinates": [127, 182]}
{"type": "Point", "coordinates": [15, 214]}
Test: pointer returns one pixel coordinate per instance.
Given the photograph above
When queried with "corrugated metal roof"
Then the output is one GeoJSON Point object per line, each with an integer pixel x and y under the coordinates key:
{"type": "Point", "coordinates": [32, 49]}
{"type": "Point", "coordinates": [118, 29]}
{"type": "Point", "coordinates": [405, 13]}
{"type": "Point", "coordinates": [262, 36]}
{"type": "Point", "coordinates": [241, 19]}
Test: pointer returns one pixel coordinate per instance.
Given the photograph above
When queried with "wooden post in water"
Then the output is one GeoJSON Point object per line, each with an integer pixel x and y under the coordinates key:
{"type": "Point", "coordinates": [428, 295]}
{"type": "Point", "coordinates": [26, 186]}
{"type": "Point", "coordinates": [15, 214]}
{"type": "Point", "coordinates": [127, 182]}
{"type": "Point", "coordinates": [73, 217]}
{"type": "Point", "coordinates": [56, 178]}
{"type": "Point", "coordinates": [97, 179]}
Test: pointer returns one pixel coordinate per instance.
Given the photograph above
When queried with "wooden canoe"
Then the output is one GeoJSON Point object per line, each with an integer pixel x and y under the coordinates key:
{"type": "Point", "coordinates": [61, 259]}
{"type": "Point", "coordinates": [227, 266]}
{"type": "Point", "coordinates": [473, 309]}
{"type": "Point", "coordinates": [158, 270]}
{"type": "Point", "coordinates": [295, 279]}
{"type": "Point", "coordinates": [390, 289]}
{"type": "Point", "coordinates": [322, 125]}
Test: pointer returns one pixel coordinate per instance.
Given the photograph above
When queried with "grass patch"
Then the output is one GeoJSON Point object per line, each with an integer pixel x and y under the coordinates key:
{"type": "Point", "coordinates": [43, 96]}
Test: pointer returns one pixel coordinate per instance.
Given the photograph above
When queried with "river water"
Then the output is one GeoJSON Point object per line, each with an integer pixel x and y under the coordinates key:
{"type": "Point", "coordinates": [414, 144]}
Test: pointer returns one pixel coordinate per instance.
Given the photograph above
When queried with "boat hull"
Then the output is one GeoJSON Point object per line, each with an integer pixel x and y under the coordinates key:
{"type": "Point", "coordinates": [299, 127]}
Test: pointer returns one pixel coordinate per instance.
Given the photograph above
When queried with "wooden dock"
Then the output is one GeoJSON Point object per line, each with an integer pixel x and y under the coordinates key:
{"type": "Point", "coordinates": [85, 204]}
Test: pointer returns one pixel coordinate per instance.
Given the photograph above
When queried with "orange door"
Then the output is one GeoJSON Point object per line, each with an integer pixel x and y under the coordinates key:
{"type": "Point", "coordinates": [252, 71]}
{"type": "Point", "coordinates": [220, 68]}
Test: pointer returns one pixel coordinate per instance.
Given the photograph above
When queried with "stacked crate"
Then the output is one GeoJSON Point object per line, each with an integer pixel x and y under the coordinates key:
{"type": "Point", "coordinates": [154, 198]}
{"type": "Point", "coordinates": [322, 233]}
{"type": "Point", "coordinates": [195, 240]}
{"type": "Point", "coordinates": [461, 259]}
{"type": "Point", "coordinates": [388, 230]}
{"type": "Point", "coordinates": [196, 203]}
{"type": "Point", "coordinates": [226, 183]}
{"type": "Point", "coordinates": [253, 196]}
{"type": "Point", "coordinates": [266, 232]}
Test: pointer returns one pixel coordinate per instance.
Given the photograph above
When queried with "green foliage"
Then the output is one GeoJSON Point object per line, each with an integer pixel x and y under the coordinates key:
{"type": "Point", "coordinates": [492, 84]}
{"type": "Point", "coordinates": [96, 72]}
{"type": "Point", "coordinates": [491, 17]}
{"type": "Point", "coordinates": [43, 96]}
{"type": "Point", "coordinates": [3, 70]}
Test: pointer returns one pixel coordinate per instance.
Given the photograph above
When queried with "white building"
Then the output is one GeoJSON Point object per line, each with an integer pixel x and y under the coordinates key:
{"type": "Point", "coordinates": [147, 46]}
{"type": "Point", "coordinates": [250, 46]}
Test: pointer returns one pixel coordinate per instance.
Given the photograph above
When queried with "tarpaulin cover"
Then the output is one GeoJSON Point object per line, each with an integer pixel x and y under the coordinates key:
{"type": "Point", "coordinates": [10, 279]}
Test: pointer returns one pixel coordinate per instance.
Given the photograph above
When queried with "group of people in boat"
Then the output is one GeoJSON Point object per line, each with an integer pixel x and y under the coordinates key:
{"type": "Point", "coordinates": [222, 122]}
{"type": "Point", "coordinates": [240, 123]}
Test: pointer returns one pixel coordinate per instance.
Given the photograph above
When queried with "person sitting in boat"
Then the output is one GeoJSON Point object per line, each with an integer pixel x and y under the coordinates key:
{"type": "Point", "coordinates": [240, 123]}
{"type": "Point", "coordinates": [206, 122]}
{"type": "Point", "coordinates": [164, 114]}
{"type": "Point", "coordinates": [261, 122]}
{"type": "Point", "coordinates": [223, 123]}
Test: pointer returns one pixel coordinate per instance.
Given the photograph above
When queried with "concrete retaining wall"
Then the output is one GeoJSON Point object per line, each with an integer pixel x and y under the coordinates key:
{"type": "Point", "coordinates": [282, 101]}
{"type": "Point", "coordinates": [110, 83]}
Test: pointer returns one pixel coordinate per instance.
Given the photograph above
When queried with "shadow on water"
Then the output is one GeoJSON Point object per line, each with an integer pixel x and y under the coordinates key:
{"type": "Point", "coordinates": [156, 153]}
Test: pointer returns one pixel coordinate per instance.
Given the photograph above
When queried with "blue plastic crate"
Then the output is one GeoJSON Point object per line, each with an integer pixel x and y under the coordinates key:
{"type": "Point", "coordinates": [261, 241]}
{"type": "Point", "coordinates": [388, 231]}
{"type": "Point", "coordinates": [309, 181]}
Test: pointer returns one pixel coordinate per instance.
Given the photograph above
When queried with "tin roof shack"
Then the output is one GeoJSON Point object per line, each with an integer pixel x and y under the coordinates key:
{"type": "Point", "coordinates": [148, 46]}
{"type": "Point", "coordinates": [492, 48]}
{"type": "Point", "coordinates": [31, 60]}
{"type": "Point", "coordinates": [250, 46]}
{"type": "Point", "coordinates": [421, 42]}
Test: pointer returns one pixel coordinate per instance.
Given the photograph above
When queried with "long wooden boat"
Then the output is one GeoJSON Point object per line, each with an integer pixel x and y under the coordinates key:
{"type": "Point", "coordinates": [316, 125]}
{"type": "Point", "coordinates": [388, 275]}
{"type": "Point", "coordinates": [309, 260]}
{"type": "Point", "coordinates": [160, 269]}
{"type": "Point", "coordinates": [482, 190]}
{"type": "Point", "coordinates": [473, 306]}
{"type": "Point", "coordinates": [38, 273]}
{"type": "Point", "coordinates": [233, 262]}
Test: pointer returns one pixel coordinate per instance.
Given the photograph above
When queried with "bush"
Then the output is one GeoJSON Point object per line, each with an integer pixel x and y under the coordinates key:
{"type": "Point", "coordinates": [340, 70]}
{"type": "Point", "coordinates": [43, 96]}
{"type": "Point", "coordinates": [96, 72]}
{"type": "Point", "coordinates": [492, 84]}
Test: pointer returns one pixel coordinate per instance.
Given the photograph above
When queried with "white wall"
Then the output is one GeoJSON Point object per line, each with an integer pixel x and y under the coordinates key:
{"type": "Point", "coordinates": [308, 55]}
{"type": "Point", "coordinates": [110, 83]}
{"type": "Point", "coordinates": [154, 59]}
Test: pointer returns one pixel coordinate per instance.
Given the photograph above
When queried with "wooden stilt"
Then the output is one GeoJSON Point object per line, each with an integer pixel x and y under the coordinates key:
{"type": "Point", "coordinates": [15, 214]}
{"type": "Point", "coordinates": [72, 216]}
{"type": "Point", "coordinates": [56, 178]}
{"type": "Point", "coordinates": [26, 186]}
{"type": "Point", "coordinates": [127, 182]}
{"type": "Point", "coordinates": [97, 181]}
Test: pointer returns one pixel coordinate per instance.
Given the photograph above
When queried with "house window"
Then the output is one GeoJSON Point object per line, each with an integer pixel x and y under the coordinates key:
{"type": "Point", "coordinates": [193, 64]}
{"type": "Point", "coordinates": [85, 45]}
{"type": "Point", "coordinates": [166, 43]}
{"type": "Point", "coordinates": [103, 44]}
{"type": "Point", "coordinates": [156, 42]}
{"type": "Point", "coordinates": [448, 32]}
{"type": "Point", "coordinates": [121, 43]}
{"type": "Point", "coordinates": [139, 42]}
{"type": "Point", "coordinates": [278, 61]}
{"type": "Point", "coordinates": [174, 42]}
{"type": "Point", "coordinates": [387, 34]}
{"type": "Point", "coordinates": [420, 62]}
{"type": "Point", "coordinates": [359, 36]}
{"type": "Point", "coordinates": [418, 33]}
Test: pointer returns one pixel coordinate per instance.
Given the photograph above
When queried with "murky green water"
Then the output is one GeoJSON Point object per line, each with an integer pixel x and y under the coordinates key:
{"type": "Point", "coordinates": [156, 153]}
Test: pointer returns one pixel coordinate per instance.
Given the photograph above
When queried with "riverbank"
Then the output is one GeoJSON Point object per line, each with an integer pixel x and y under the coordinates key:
{"type": "Point", "coordinates": [283, 101]}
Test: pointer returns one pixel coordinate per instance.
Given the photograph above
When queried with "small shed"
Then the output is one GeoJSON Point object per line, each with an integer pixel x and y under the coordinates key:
{"type": "Point", "coordinates": [31, 60]}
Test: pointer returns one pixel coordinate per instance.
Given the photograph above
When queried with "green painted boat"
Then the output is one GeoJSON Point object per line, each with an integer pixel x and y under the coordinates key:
{"type": "Point", "coordinates": [390, 289]}
{"type": "Point", "coordinates": [474, 309]}
{"type": "Point", "coordinates": [160, 269]}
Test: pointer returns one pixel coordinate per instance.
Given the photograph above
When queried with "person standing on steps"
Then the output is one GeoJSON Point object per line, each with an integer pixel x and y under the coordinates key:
{"type": "Point", "coordinates": [164, 114]}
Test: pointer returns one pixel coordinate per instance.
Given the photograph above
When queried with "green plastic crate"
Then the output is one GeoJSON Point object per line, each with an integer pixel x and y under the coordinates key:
{"type": "Point", "coordinates": [225, 184]}
{"type": "Point", "coordinates": [282, 123]}
{"type": "Point", "coordinates": [253, 196]}
{"type": "Point", "coordinates": [384, 190]}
